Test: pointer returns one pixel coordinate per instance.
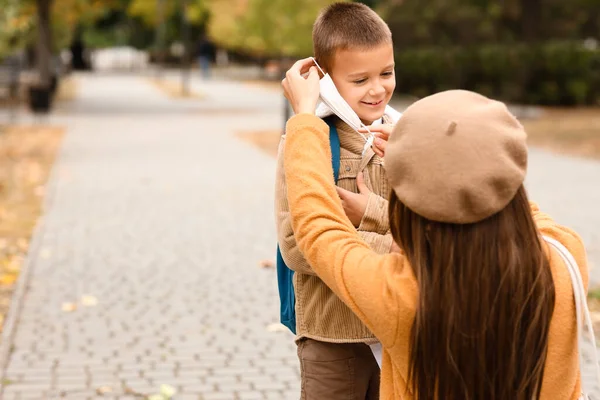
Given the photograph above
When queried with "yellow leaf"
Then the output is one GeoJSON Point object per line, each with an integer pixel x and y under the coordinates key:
{"type": "Point", "coordinates": [8, 279]}
{"type": "Point", "coordinates": [89, 301]}
{"type": "Point", "coordinates": [276, 327]}
{"type": "Point", "coordinates": [69, 307]}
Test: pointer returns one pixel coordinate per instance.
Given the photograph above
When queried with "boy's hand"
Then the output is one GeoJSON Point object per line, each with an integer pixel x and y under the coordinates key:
{"type": "Point", "coordinates": [355, 204]}
{"type": "Point", "coordinates": [382, 134]}
{"type": "Point", "coordinates": [302, 92]}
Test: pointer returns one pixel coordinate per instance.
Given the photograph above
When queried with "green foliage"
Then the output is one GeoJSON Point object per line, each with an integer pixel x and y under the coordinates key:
{"type": "Point", "coordinates": [265, 27]}
{"type": "Point", "coordinates": [148, 10]}
{"type": "Point", "coordinates": [18, 20]}
{"type": "Point", "coordinates": [552, 73]}
{"type": "Point", "coordinates": [14, 26]}
{"type": "Point", "coordinates": [467, 22]}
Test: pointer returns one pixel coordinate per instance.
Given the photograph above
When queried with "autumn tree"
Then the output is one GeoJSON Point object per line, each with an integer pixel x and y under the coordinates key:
{"type": "Point", "coordinates": [273, 28]}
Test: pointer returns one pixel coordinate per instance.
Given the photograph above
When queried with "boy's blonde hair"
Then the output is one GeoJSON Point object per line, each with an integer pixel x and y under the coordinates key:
{"type": "Point", "coordinates": [347, 26]}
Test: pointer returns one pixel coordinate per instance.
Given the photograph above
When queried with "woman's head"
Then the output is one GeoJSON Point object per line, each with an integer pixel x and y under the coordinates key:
{"type": "Point", "coordinates": [459, 211]}
{"type": "Point", "coordinates": [456, 156]}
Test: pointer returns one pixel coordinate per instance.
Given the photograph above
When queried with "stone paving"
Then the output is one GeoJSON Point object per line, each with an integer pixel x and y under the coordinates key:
{"type": "Point", "coordinates": [157, 212]}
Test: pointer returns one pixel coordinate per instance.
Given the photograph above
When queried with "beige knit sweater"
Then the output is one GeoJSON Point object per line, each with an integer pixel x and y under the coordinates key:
{"type": "Point", "coordinates": [320, 314]}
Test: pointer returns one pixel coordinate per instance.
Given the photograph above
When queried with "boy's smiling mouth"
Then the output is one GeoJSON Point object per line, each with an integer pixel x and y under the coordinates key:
{"type": "Point", "coordinates": [372, 103]}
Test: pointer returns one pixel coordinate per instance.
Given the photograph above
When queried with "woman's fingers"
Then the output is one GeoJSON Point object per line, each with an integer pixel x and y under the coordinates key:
{"type": "Point", "coordinates": [382, 135]}
{"type": "Point", "coordinates": [379, 146]}
{"type": "Point", "coordinates": [383, 130]}
{"type": "Point", "coordinates": [300, 67]}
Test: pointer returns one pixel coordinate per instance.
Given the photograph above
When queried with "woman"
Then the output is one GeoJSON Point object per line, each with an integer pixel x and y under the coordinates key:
{"type": "Point", "coordinates": [476, 305]}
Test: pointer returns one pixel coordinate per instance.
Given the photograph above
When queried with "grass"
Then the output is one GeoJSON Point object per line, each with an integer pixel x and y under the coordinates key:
{"type": "Point", "coordinates": [569, 131]}
{"type": "Point", "coordinates": [26, 156]}
{"type": "Point", "coordinates": [174, 90]}
{"type": "Point", "coordinates": [594, 305]}
{"type": "Point", "coordinates": [273, 86]}
{"type": "Point", "coordinates": [267, 141]}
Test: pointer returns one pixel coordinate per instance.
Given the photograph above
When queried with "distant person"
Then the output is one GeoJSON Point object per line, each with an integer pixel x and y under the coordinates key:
{"type": "Point", "coordinates": [78, 62]}
{"type": "Point", "coordinates": [204, 53]}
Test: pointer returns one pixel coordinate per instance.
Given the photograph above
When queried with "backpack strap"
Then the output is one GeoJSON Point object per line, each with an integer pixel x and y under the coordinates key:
{"type": "Point", "coordinates": [285, 275]}
{"type": "Point", "coordinates": [582, 312]}
{"type": "Point", "coordinates": [334, 143]}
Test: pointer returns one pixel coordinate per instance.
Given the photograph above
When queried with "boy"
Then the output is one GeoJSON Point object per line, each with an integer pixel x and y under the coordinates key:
{"type": "Point", "coordinates": [354, 46]}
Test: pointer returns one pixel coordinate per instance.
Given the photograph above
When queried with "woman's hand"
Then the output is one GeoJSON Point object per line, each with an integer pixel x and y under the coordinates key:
{"type": "Point", "coordinates": [382, 134]}
{"type": "Point", "coordinates": [302, 92]}
{"type": "Point", "coordinates": [355, 204]}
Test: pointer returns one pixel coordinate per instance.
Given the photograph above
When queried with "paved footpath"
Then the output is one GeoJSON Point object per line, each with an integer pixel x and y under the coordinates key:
{"type": "Point", "coordinates": [156, 210]}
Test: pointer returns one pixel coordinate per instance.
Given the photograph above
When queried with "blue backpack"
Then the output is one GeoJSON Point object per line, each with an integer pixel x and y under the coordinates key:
{"type": "Point", "coordinates": [285, 276]}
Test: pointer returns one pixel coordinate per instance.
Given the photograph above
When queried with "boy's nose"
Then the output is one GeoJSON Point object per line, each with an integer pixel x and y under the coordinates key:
{"type": "Point", "coordinates": [377, 90]}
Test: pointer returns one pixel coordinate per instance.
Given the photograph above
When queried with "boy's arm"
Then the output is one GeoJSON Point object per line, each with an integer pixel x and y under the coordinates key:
{"type": "Point", "coordinates": [381, 244]}
{"type": "Point", "coordinates": [370, 213]}
{"type": "Point", "coordinates": [374, 226]}
{"type": "Point", "coordinates": [285, 235]}
{"type": "Point", "coordinates": [376, 217]}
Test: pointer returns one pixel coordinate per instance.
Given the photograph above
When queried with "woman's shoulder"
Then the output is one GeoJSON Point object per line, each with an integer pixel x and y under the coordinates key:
{"type": "Point", "coordinates": [565, 236]}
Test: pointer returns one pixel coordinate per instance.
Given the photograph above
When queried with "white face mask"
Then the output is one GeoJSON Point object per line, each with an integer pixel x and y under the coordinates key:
{"type": "Point", "coordinates": [334, 100]}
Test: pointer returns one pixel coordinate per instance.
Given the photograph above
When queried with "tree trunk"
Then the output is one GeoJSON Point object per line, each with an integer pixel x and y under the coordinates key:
{"type": "Point", "coordinates": [159, 38]}
{"type": "Point", "coordinates": [531, 12]}
{"type": "Point", "coordinates": [44, 46]}
{"type": "Point", "coordinates": [185, 57]}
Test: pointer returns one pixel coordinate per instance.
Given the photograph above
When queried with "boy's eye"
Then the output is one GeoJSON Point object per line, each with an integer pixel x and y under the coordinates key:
{"type": "Point", "coordinates": [388, 73]}
{"type": "Point", "coordinates": [359, 81]}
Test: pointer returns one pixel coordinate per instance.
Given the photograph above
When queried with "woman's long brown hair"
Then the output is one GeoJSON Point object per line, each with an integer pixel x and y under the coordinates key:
{"type": "Point", "coordinates": [486, 297]}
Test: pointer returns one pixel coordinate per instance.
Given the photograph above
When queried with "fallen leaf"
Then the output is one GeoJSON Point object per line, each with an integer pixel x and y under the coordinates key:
{"type": "Point", "coordinates": [22, 243]}
{"type": "Point", "coordinates": [8, 279]}
{"type": "Point", "coordinates": [267, 264]}
{"type": "Point", "coordinates": [13, 264]}
{"type": "Point", "coordinates": [69, 307]}
{"type": "Point", "coordinates": [167, 391]}
{"type": "Point", "coordinates": [104, 390]}
{"type": "Point", "coordinates": [89, 301]}
{"type": "Point", "coordinates": [128, 390]}
{"type": "Point", "coordinates": [276, 327]}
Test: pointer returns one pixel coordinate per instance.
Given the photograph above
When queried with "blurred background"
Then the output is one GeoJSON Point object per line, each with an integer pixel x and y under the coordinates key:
{"type": "Point", "coordinates": [137, 156]}
{"type": "Point", "coordinates": [525, 52]}
{"type": "Point", "coordinates": [522, 51]}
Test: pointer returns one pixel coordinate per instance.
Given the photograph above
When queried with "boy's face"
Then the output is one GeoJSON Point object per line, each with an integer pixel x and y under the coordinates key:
{"type": "Point", "coordinates": [365, 79]}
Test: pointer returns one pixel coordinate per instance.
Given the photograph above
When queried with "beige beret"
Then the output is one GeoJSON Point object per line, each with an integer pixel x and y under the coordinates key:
{"type": "Point", "coordinates": [456, 157]}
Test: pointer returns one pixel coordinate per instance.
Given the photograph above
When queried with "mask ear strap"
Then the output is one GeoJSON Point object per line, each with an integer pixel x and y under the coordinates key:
{"type": "Point", "coordinates": [318, 66]}
{"type": "Point", "coordinates": [369, 140]}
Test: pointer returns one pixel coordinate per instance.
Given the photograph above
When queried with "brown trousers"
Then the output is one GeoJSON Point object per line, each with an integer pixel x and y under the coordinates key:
{"type": "Point", "coordinates": [337, 371]}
